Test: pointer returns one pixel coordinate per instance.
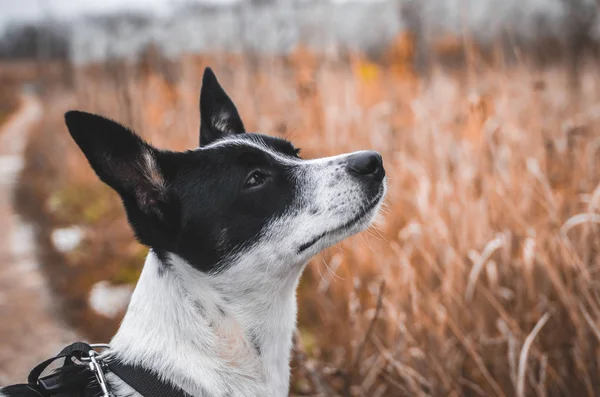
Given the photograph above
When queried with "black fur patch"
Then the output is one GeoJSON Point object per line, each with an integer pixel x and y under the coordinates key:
{"type": "Point", "coordinates": [165, 262]}
{"type": "Point", "coordinates": [256, 345]}
{"type": "Point", "coordinates": [218, 216]}
{"type": "Point", "coordinates": [193, 204]}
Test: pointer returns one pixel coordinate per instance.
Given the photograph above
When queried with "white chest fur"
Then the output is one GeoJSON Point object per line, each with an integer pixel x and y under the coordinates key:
{"type": "Point", "coordinates": [222, 335]}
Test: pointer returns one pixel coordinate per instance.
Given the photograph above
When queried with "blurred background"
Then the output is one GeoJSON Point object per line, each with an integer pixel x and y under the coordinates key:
{"type": "Point", "coordinates": [482, 276]}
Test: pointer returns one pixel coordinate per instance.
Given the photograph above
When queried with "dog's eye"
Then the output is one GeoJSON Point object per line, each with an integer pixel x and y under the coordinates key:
{"type": "Point", "coordinates": [256, 178]}
{"type": "Point", "coordinates": [297, 152]}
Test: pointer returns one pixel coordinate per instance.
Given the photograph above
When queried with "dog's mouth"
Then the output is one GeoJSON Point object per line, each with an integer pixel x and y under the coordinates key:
{"type": "Point", "coordinates": [357, 219]}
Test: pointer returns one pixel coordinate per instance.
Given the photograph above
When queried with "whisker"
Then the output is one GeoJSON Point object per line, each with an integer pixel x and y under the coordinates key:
{"type": "Point", "coordinates": [331, 271]}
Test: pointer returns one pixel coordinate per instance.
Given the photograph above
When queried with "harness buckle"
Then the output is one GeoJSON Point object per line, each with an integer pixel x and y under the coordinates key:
{"type": "Point", "coordinates": [96, 365]}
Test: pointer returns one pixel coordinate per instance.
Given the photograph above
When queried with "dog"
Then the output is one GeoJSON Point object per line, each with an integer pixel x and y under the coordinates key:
{"type": "Point", "coordinates": [230, 226]}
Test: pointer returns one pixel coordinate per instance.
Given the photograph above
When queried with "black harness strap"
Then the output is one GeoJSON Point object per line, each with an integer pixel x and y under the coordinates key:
{"type": "Point", "coordinates": [21, 390]}
{"type": "Point", "coordinates": [145, 382]}
{"type": "Point", "coordinates": [75, 378]}
{"type": "Point", "coordinates": [77, 350]}
{"type": "Point", "coordinates": [72, 379]}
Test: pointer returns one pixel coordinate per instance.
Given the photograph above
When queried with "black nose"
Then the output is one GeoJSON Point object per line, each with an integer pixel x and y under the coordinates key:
{"type": "Point", "coordinates": [367, 164]}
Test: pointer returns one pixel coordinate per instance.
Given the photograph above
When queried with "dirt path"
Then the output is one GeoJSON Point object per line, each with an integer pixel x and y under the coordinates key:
{"type": "Point", "coordinates": [29, 327]}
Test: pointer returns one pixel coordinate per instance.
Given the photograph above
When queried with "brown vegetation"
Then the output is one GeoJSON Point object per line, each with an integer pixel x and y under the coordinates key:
{"type": "Point", "coordinates": [481, 277]}
{"type": "Point", "coordinates": [10, 82]}
{"type": "Point", "coordinates": [15, 74]}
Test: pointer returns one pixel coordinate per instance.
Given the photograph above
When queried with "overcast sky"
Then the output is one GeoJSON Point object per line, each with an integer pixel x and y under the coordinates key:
{"type": "Point", "coordinates": [16, 10]}
{"type": "Point", "coordinates": [11, 10]}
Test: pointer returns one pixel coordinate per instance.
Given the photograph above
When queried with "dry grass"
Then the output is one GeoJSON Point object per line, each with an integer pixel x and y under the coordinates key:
{"type": "Point", "coordinates": [10, 81]}
{"type": "Point", "coordinates": [15, 74]}
{"type": "Point", "coordinates": [481, 279]}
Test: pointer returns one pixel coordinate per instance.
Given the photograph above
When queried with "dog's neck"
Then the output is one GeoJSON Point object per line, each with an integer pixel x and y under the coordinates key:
{"type": "Point", "coordinates": [228, 334]}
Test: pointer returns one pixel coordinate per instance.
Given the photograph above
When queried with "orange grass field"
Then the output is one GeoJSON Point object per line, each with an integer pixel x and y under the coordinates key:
{"type": "Point", "coordinates": [482, 275]}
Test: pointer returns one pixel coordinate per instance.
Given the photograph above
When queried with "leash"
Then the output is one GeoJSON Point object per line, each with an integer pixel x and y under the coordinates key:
{"type": "Point", "coordinates": [83, 374]}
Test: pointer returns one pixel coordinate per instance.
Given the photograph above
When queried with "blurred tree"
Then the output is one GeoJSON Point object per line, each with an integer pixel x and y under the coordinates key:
{"type": "Point", "coordinates": [151, 59]}
{"type": "Point", "coordinates": [413, 18]}
{"type": "Point", "coordinates": [581, 19]}
{"type": "Point", "coordinates": [27, 41]}
{"type": "Point", "coordinates": [262, 2]}
{"type": "Point", "coordinates": [46, 43]}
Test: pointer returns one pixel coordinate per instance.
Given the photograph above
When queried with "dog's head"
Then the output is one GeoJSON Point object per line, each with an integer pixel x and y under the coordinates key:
{"type": "Point", "coordinates": [237, 195]}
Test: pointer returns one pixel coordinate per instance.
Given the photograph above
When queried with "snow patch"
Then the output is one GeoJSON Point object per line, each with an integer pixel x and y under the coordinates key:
{"type": "Point", "coordinates": [67, 239]}
{"type": "Point", "coordinates": [10, 166]}
{"type": "Point", "coordinates": [109, 300]}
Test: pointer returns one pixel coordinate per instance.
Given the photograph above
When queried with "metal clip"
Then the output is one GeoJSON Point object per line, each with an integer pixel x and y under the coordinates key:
{"type": "Point", "coordinates": [95, 365]}
{"type": "Point", "coordinates": [100, 346]}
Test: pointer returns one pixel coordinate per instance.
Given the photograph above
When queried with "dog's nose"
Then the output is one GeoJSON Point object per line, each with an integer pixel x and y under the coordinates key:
{"type": "Point", "coordinates": [367, 164]}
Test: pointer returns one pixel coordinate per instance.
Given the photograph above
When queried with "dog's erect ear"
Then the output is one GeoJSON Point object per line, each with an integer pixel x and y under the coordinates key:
{"type": "Point", "coordinates": [121, 159]}
{"type": "Point", "coordinates": [218, 114]}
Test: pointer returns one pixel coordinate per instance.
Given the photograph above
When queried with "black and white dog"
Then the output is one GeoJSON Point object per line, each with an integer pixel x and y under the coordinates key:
{"type": "Point", "coordinates": [231, 226]}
